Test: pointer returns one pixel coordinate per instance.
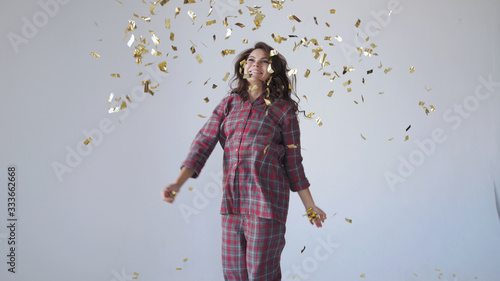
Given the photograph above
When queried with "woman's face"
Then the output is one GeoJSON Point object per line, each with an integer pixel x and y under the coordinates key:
{"type": "Point", "coordinates": [257, 65]}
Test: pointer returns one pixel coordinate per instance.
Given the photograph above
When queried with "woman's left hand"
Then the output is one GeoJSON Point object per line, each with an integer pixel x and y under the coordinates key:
{"type": "Point", "coordinates": [321, 216]}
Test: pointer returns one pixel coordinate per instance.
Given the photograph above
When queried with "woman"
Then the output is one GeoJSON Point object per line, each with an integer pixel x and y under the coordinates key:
{"type": "Point", "coordinates": [257, 126]}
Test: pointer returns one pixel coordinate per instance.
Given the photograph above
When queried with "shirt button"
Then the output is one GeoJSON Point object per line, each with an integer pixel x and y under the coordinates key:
{"type": "Point", "coordinates": [236, 149]}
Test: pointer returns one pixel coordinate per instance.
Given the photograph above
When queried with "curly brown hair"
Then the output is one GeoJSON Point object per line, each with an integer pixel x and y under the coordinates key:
{"type": "Point", "coordinates": [279, 86]}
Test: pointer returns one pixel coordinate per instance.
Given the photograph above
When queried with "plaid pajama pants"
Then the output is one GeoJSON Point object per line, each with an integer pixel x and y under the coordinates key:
{"type": "Point", "coordinates": [251, 248]}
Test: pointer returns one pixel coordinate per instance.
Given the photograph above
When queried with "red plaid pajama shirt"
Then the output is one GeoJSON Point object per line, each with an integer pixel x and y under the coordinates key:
{"type": "Point", "coordinates": [262, 158]}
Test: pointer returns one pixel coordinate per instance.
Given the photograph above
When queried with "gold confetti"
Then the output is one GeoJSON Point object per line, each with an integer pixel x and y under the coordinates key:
{"type": "Point", "coordinates": [226, 76]}
{"type": "Point", "coordinates": [332, 11]}
{"type": "Point", "coordinates": [427, 89]}
{"type": "Point", "coordinates": [87, 141]}
{"type": "Point", "coordinates": [322, 59]}
{"type": "Point", "coordinates": [172, 36]}
{"type": "Point", "coordinates": [347, 83]}
{"type": "Point", "coordinates": [131, 26]}
{"type": "Point", "coordinates": [146, 19]}
{"type": "Point", "coordinates": [318, 120]}
{"type": "Point", "coordinates": [270, 69]}
{"type": "Point", "coordinates": [421, 103]}
{"type": "Point", "coordinates": [268, 103]}
{"type": "Point", "coordinates": [214, 86]}
{"type": "Point", "coordinates": [228, 52]}
{"type": "Point", "coordinates": [156, 53]}
{"type": "Point", "coordinates": [128, 98]}
{"type": "Point", "coordinates": [245, 41]}
{"type": "Point", "coordinates": [355, 102]}
{"type": "Point", "coordinates": [407, 137]}
{"type": "Point", "coordinates": [362, 275]}
{"type": "Point", "coordinates": [273, 53]}
{"type": "Point", "coordinates": [228, 33]}
{"type": "Point", "coordinates": [253, 87]}
{"type": "Point", "coordinates": [131, 40]}
{"type": "Point", "coordinates": [363, 137]}
{"type": "Point", "coordinates": [426, 110]}
{"type": "Point", "coordinates": [310, 115]}
{"type": "Point", "coordinates": [390, 139]}
{"type": "Point", "coordinates": [178, 268]}
{"type": "Point", "coordinates": [349, 90]}
{"type": "Point", "coordinates": [201, 116]}
{"type": "Point", "coordinates": [239, 24]}
{"type": "Point", "coordinates": [330, 94]}
{"type": "Point", "coordinates": [307, 73]}
{"type": "Point", "coordinates": [432, 108]}
{"type": "Point", "coordinates": [167, 23]}
{"type": "Point", "coordinates": [110, 99]}
{"type": "Point", "coordinates": [292, 72]}
{"type": "Point", "coordinates": [210, 22]}
{"type": "Point", "coordinates": [348, 220]}
{"type": "Point", "coordinates": [190, 188]}
{"type": "Point", "coordinates": [357, 23]}
{"type": "Point", "coordinates": [177, 11]}
{"type": "Point", "coordinates": [163, 66]}
{"type": "Point", "coordinates": [293, 17]}
{"type": "Point", "coordinates": [185, 260]}
{"type": "Point", "coordinates": [387, 70]}
{"type": "Point", "coordinates": [369, 71]}
{"type": "Point", "coordinates": [246, 76]}
{"type": "Point", "coordinates": [338, 38]}
{"type": "Point", "coordinates": [198, 58]}
{"type": "Point", "coordinates": [265, 149]}
{"type": "Point", "coordinates": [146, 87]}
{"type": "Point", "coordinates": [412, 69]}
{"type": "Point", "coordinates": [408, 128]}
{"type": "Point", "coordinates": [192, 15]}
{"type": "Point", "coordinates": [95, 55]}
{"type": "Point", "coordinates": [115, 75]}
{"type": "Point", "coordinates": [292, 146]}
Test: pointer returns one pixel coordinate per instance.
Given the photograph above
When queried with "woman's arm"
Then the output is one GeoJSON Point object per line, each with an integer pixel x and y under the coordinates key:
{"type": "Point", "coordinates": [307, 200]}
{"type": "Point", "coordinates": [170, 191]}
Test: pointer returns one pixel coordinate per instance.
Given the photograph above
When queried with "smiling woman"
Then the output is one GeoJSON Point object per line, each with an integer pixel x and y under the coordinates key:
{"type": "Point", "coordinates": [257, 126]}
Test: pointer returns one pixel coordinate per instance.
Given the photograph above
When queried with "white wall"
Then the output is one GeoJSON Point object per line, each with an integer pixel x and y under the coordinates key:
{"type": "Point", "coordinates": [421, 209]}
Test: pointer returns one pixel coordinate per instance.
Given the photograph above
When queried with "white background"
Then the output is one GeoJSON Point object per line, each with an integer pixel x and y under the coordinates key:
{"type": "Point", "coordinates": [421, 209]}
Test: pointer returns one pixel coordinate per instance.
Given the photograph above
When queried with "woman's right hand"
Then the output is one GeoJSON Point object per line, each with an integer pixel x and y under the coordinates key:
{"type": "Point", "coordinates": [168, 194]}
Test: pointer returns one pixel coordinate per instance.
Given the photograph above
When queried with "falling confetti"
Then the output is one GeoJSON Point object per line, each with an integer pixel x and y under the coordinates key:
{"type": "Point", "coordinates": [348, 220]}
{"type": "Point", "coordinates": [87, 141]}
{"type": "Point", "coordinates": [95, 55]}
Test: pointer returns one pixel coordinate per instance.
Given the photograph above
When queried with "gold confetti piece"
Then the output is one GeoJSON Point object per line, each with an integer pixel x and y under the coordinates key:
{"type": "Point", "coordinates": [268, 102]}
{"type": "Point", "coordinates": [292, 72]}
{"type": "Point", "coordinates": [210, 22]}
{"type": "Point", "coordinates": [87, 141]}
{"type": "Point", "coordinates": [115, 75]}
{"type": "Point", "coordinates": [390, 139]}
{"type": "Point", "coordinates": [198, 58]}
{"type": "Point", "coordinates": [273, 53]}
{"type": "Point", "coordinates": [265, 149]}
{"type": "Point", "coordinates": [110, 99]}
{"type": "Point", "coordinates": [206, 99]}
{"type": "Point", "coordinates": [432, 108]}
{"type": "Point", "coordinates": [338, 38]}
{"type": "Point", "coordinates": [362, 275]}
{"type": "Point", "coordinates": [330, 94]}
{"type": "Point", "coordinates": [322, 59]}
{"type": "Point", "coordinates": [253, 87]}
{"type": "Point", "coordinates": [131, 40]}
{"type": "Point", "coordinates": [412, 69]}
{"type": "Point", "coordinates": [421, 103]}
{"type": "Point", "coordinates": [293, 17]}
{"type": "Point", "coordinates": [201, 116]}
{"type": "Point", "coordinates": [336, 74]}
{"type": "Point", "coordinates": [245, 41]}
{"type": "Point", "coordinates": [307, 73]}
{"type": "Point", "coordinates": [131, 26]}
{"type": "Point", "coordinates": [259, 17]}
{"type": "Point", "coordinates": [349, 90]}
{"type": "Point", "coordinates": [167, 23]}
{"type": "Point", "coordinates": [190, 188]}
{"type": "Point", "coordinates": [327, 74]}
{"type": "Point", "coordinates": [239, 24]}
{"type": "Point", "coordinates": [357, 23]}
{"type": "Point", "coordinates": [427, 89]}
{"type": "Point", "coordinates": [363, 80]}
{"type": "Point", "coordinates": [310, 115]}
{"type": "Point", "coordinates": [146, 19]}
{"type": "Point", "coordinates": [228, 33]}
{"type": "Point", "coordinates": [178, 268]}
{"type": "Point", "coordinates": [363, 137]}
{"type": "Point", "coordinates": [172, 36]}
{"type": "Point", "coordinates": [146, 87]}
{"type": "Point", "coordinates": [155, 39]}
{"type": "Point", "coordinates": [95, 55]}
{"type": "Point", "coordinates": [387, 70]}
{"type": "Point", "coordinates": [318, 120]}
{"type": "Point", "coordinates": [163, 66]}
{"type": "Point", "coordinates": [426, 110]}
{"type": "Point", "coordinates": [292, 146]}
{"type": "Point", "coordinates": [246, 76]}
{"type": "Point", "coordinates": [347, 83]}
{"type": "Point", "coordinates": [408, 128]}
{"type": "Point", "coordinates": [369, 71]}
{"type": "Point", "coordinates": [270, 69]}
{"type": "Point", "coordinates": [206, 81]}
{"type": "Point", "coordinates": [192, 15]}
{"type": "Point", "coordinates": [332, 11]}
{"type": "Point", "coordinates": [407, 137]}
{"type": "Point", "coordinates": [226, 77]}
{"type": "Point", "coordinates": [128, 98]}
{"type": "Point", "coordinates": [355, 102]}
{"type": "Point", "coordinates": [185, 260]}
{"type": "Point", "coordinates": [380, 66]}
{"type": "Point", "coordinates": [123, 105]}
{"type": "Point", "coordinates": [177, 11]}
{"type": "Point", "coordinates": [303, 250]}
{"type": "Point", "coordinates": [228, 52]}
{"type": "Point", "coordinates": [156, 53]}
{"type": "Point", "coordinates": [348, 220]}
{"type": "Point", "coordinates": [362, 98]}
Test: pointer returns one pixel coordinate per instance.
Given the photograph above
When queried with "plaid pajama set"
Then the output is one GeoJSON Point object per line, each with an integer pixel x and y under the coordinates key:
{"type": "Point", "coordinates": [262, 163]}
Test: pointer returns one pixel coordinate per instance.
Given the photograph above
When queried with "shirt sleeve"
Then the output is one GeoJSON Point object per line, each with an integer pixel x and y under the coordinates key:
{"type": "Point", "coordinates": [206, 140]}
{"type": "Point", "coordinates": [293, 158]}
